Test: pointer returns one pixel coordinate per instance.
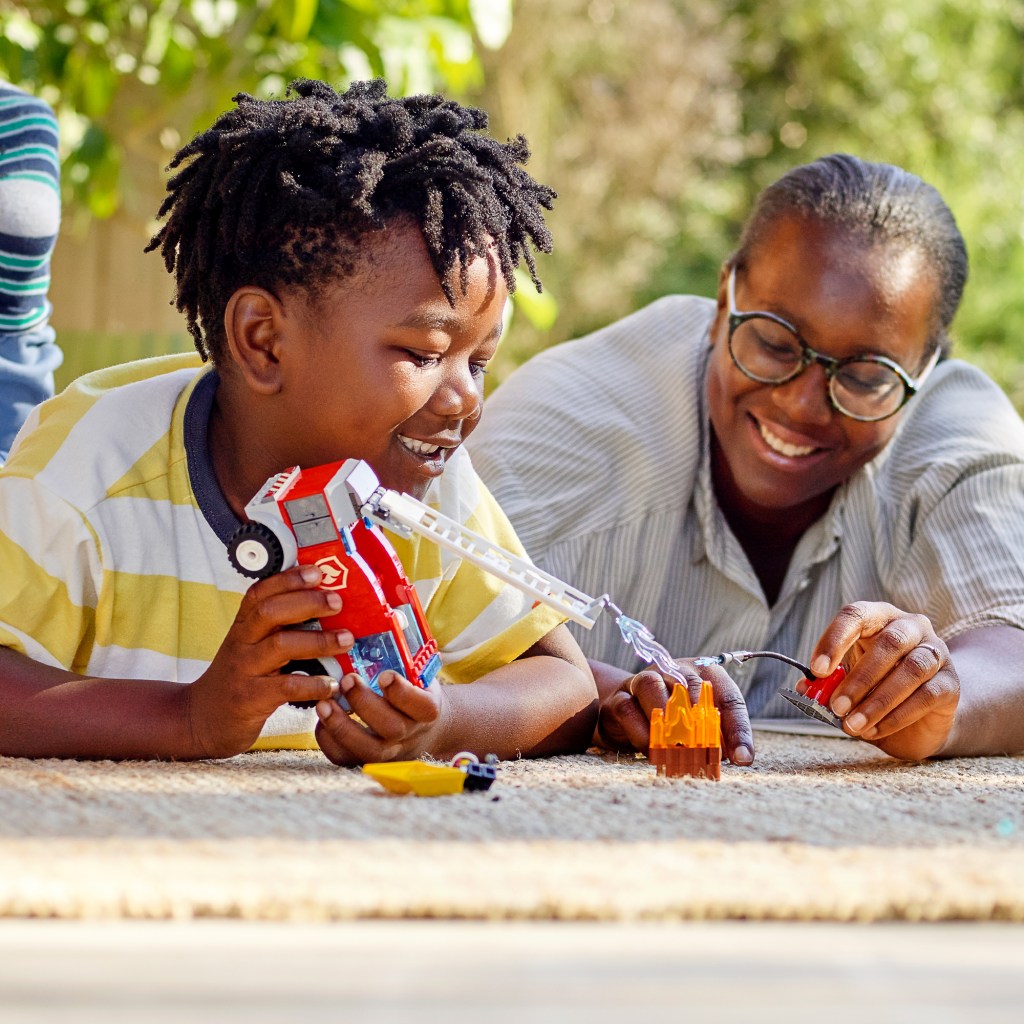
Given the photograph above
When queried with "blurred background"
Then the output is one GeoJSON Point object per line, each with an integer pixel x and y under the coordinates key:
{"type": "Point", "coordinates": [657, 121]}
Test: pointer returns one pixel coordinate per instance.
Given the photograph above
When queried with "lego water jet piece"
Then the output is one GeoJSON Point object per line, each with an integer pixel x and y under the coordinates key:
{"type": "Point", "coordinates": [686, 739]}
{"type": "Point", "coordinates": [814, 703]}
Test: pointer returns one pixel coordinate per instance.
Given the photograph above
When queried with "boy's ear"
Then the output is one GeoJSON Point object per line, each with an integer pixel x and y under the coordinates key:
{"type": "Point", "coordinates": [253, 322]}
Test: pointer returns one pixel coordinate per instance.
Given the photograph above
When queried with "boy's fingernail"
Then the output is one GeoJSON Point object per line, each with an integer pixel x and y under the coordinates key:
{"type": "Point", "coordinates": [334, 687]}
{"type": "Point", "coordinates": [347, 682]}
{"type": "Point", "coordinates": [344, 638]}
{"type": "Point", "coordinates": [333, 601]}
{"type": "Point", "coordinates": [820, 665]}
{"type": "Point", "coordinates": [742, 755]}
{"type": "Point", "coordinates": [325, 709]}
{"type": "Point", "coordinates": [310, 573]}
{"type": "Point", "coordinates": [857, 722]}
{"type": "Point", "coordinates": [841, 705]}
{"type": "Point", "coordinates": [385, 679]}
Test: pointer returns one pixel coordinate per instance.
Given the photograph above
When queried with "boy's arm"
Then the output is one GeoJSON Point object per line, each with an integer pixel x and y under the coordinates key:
{"type": "Point", "coordinates": [543, 703]}
{"type": "Point", "coordinates": [50, 712]}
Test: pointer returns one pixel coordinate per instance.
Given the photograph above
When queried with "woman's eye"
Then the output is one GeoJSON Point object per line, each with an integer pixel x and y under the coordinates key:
{"type": "Point", "coordinates": [477, 369]}
{"type": "Point", "coordinates": [783, 351]}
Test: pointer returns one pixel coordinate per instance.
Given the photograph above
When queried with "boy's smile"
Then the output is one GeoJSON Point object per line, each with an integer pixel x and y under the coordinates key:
{"type": "Point", "coordinates": [375, 366]}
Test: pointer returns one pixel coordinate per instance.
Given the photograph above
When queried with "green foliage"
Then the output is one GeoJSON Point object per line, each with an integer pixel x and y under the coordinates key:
{"type": "Point", "coordinates": [130, 79]}
{"type": "Point", "coordinates": [625, 104]}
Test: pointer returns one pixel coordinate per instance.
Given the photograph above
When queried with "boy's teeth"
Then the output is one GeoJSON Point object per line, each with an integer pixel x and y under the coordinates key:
{"type": "Point", "coordinates": [419, 447]}
{"type": "Point", "coordinates": [776, 444]}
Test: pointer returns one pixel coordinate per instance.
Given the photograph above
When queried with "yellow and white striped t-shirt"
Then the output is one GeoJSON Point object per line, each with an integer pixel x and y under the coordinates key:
{"type": "Point", "coordinates": [113, 532]}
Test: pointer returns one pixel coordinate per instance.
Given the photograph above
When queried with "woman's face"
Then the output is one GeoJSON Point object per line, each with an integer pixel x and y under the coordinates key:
{"type": "Point", "coordinates": [784, 448]}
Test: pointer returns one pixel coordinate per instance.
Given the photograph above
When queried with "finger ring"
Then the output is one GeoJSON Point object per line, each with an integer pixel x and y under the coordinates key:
{"type": "Point", "coordinates": [934, 650]}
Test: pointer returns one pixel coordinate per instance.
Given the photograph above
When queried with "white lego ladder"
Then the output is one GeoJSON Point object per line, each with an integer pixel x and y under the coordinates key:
{"type": "Point", "coordinates": [405, 515]}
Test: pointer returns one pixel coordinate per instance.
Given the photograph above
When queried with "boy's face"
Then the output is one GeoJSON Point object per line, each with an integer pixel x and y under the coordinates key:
{"type": "Point", "coordinates": [380, 367]}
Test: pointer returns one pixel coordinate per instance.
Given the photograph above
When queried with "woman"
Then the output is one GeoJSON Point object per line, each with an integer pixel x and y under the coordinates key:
{"type": "Point", "coordinates": [796, 465]}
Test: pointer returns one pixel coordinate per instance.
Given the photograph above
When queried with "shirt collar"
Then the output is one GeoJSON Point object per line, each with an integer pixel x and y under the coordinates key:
{"type": "Point", "coordinates": [210, 498]}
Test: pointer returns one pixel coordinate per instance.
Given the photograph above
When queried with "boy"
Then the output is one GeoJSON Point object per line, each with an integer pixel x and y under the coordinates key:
{"type": "Point", "coordinates": [342, 261]}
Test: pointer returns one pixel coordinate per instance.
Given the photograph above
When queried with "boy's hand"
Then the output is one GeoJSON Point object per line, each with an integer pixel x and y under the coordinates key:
{"type": "Point", "coordinates": [401, 725]}
{"type": "Point", "coordinates": [230, 701]}
{"type": "Point", "coordinates": [624, 721]}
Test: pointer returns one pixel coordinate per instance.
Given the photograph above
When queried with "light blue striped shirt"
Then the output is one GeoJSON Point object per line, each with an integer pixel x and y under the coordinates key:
{"type": "Point", "coordinates": [598, 451]}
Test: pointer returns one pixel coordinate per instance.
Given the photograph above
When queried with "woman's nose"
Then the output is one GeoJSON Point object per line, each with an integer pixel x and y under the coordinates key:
{"type": "Point", "coordinates": [805, 398]}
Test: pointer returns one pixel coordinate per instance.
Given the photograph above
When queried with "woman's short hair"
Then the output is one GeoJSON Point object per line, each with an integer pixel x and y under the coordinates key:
{"type": "Point", "coordinates": [878, 203]}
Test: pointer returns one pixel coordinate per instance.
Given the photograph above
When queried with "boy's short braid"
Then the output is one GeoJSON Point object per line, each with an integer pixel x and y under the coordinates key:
{"type": "Point", "coordinates": [279, 192]}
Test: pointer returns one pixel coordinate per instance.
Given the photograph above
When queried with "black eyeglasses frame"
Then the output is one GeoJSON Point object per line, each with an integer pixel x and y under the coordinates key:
{"type": "Point", "coordinates": [829, 364]}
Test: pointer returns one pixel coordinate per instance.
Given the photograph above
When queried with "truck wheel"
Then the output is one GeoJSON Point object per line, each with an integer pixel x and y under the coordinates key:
{"type": "Point", "coordinates": [305, 667]}
{"type": "Point", "coordinates": [255, 552]}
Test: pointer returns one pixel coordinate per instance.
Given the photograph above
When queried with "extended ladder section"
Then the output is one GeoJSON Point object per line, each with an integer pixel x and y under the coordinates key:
{"type": "Point", "coordinates": [404, 515]}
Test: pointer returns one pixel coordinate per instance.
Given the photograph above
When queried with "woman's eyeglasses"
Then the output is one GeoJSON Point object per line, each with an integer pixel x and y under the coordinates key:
{"type": "Point", "coordinates": [769, 350]}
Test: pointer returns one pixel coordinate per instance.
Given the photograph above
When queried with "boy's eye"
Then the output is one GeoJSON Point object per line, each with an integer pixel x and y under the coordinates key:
{"type": "Point", "coordinates": [424, 360]}
{"type": "Point", "coordinates": [476, 370]}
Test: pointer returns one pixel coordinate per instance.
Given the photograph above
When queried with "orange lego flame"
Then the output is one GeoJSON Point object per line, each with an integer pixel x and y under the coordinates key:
{"type": "Point", "coordinates": [687, 739]}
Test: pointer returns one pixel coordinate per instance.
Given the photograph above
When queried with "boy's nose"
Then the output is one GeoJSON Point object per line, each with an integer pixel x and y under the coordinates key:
{"type": "Point", "coordinates": [459, 396]}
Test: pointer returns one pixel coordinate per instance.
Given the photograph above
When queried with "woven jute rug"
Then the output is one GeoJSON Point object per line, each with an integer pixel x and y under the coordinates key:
{"type": "Point", "coordinates": [819, 828]}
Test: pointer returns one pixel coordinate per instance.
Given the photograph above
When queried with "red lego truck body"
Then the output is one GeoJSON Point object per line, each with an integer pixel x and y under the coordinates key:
{"type": "Point", "coordinates": [309, 517]}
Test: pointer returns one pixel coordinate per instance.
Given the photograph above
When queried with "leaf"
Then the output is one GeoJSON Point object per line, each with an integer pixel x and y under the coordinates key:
{"type": "Point", "coordinates": [539, 308]}
{"type": "Point", "coordinates": [295, 18]}
{"type": "Point", "coordinates": [492, 20]}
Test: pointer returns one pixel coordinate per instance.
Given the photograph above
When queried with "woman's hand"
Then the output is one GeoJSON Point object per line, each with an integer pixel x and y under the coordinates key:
{"type": "Point", "coordinates": [624, 717]}
{"type": "Point", "coordinates": [901, 690]}
{"type": "Point", "coordinates": [398, 726]}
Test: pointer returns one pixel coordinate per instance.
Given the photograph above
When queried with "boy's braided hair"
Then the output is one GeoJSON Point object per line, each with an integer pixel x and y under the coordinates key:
{"type": "Point", "coordinates": [279, 192]}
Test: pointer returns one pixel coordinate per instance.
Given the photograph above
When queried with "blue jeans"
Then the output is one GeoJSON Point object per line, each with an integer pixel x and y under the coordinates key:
{"type": "Point", "coordinates": [27, 362]}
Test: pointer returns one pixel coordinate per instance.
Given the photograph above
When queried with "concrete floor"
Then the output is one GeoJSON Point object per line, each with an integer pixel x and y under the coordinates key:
{"type": "Point", "coordinates": [450, 972]}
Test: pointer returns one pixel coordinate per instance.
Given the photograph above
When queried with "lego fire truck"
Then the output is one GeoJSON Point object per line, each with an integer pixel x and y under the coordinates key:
{"type": "Point", "coordinates": [331, 516]}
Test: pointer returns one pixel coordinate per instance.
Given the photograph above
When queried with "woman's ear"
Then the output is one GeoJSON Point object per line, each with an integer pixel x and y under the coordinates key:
{"type": "Point", "coordinates": [722, 304]}
{"type": "Point", "coordinates": [253, 323]}
{"type": "Point", "coordinates": [723, 287]}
